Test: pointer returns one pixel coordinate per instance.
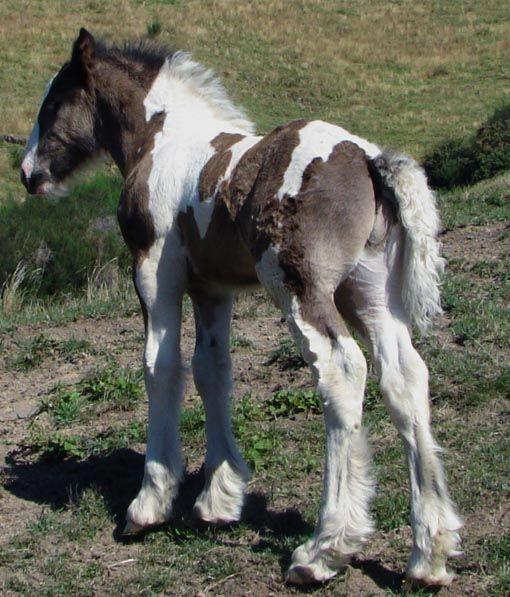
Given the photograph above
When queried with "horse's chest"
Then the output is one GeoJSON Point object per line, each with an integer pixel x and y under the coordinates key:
{"type": "Point", "coordinates": [136, 221]}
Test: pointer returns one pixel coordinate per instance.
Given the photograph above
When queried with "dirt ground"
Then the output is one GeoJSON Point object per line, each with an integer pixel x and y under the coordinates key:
{"type": "Point", "coordinates": [28, 492]}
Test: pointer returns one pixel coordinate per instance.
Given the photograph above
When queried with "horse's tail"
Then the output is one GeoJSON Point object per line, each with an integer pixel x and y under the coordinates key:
{"type": "Point", "coordinates": [416, 205]}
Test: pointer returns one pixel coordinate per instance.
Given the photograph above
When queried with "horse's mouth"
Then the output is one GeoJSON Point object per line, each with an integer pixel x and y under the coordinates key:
{"type": "Point", "coordinates": [52, 190]}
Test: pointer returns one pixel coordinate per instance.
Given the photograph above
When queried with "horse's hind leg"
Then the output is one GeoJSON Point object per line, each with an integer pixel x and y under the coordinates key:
{"type": "Point", "coordinates": [226, 472]}
{"type": "Point", "coordinates": [371, 300]}
{"type": "Point", "coordinates": [339, 369]}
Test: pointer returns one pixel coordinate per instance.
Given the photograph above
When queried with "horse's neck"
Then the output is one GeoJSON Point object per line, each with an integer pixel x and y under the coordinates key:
{"type": "Point", "coordinates": [191, 121]}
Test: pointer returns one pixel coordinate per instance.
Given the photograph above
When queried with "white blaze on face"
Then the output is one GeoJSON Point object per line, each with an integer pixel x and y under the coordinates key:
{"type": "Point", "coordinates": [317, 140]}
{"type": "Point", "coordinates": [29, 160]}
{"type": "Point", "coordinates": [28, 163]}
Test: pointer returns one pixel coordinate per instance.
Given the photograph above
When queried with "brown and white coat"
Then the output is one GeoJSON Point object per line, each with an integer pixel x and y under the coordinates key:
{"type": "Point", "coordinates": [336, 230]}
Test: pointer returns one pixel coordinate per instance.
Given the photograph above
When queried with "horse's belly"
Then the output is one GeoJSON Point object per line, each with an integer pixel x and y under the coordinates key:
{"type": "Point", "coordinates": [217, 255]}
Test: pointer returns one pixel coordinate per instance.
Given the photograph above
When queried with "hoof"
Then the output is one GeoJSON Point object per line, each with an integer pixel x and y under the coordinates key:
{"type": "Point", "coordinates": [444, 579]}
{"type": "Point", "coordinates": [132, 529]}
{"type": "Point", "coordinates": [200, 514]}
{"type": "Point", "coordinates": [310, 574]}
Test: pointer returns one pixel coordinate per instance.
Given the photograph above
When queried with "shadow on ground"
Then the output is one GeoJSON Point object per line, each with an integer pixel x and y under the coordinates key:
{"type": "Point", "coordinates": [117, 477]}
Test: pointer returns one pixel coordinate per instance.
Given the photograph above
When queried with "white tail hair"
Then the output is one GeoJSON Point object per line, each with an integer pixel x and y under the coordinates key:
{"type": "Point", "coordinates": [417, 210]}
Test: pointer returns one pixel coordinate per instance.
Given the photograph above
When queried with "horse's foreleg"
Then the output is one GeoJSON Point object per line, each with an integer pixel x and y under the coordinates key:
{"type": "Point", "coordinates": [226, 473]}
{"type": "Point", "coordinates": [161, 297]}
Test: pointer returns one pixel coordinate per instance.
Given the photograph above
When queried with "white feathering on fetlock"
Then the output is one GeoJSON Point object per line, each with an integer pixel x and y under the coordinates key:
{"type": "Point", "coordinates": [221, 501]}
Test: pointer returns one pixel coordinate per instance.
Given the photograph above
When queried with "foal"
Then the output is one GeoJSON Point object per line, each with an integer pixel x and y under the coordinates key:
{"type": "Point", "coordinates": [335, 229]}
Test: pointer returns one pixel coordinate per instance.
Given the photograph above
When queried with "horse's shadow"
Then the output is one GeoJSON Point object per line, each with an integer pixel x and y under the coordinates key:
{"type": "Point", "coordinates": [117, 477]}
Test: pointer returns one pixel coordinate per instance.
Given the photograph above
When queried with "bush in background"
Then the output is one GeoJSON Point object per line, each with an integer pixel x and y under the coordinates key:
{"type": "Point", "coordinates": [62, 243]}
{"type": "Point", "coordinates": [460, 162]}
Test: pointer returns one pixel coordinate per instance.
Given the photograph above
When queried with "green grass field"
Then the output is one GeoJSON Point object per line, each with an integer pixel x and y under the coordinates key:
{"type": "Point", "coordinates": [72, 407]}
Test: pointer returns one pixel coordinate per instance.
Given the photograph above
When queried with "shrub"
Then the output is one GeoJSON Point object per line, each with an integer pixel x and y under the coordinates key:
{"type": "Point", "coordinates": [61, 243]}
{"type": "Point", "coordinates": [459, 162]}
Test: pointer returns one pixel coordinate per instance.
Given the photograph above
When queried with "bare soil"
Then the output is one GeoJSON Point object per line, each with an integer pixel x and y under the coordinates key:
{"type": "Point", "coordinates": [26, 493]}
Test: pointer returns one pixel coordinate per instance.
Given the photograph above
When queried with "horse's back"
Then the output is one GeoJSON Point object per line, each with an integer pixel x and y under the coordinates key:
{"type": "Point", "coordinates": [305, 188]}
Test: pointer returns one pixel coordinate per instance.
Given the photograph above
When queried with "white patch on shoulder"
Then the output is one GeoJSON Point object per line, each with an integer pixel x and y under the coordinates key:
{"type": "Point", "coordinates": [317, 140]}
{"type": "Point", "coordinates": [203, 210]}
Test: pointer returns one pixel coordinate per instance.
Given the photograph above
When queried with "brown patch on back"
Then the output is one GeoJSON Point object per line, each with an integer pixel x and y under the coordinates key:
{"type": "Point", "coordinates": [251, 195]}
{"type": "Point", "coordinates": [217, 165]}
{"type": "Point", "coordinates": [224, 141]}
{"type": "Point", "coordinates": [225, 254]}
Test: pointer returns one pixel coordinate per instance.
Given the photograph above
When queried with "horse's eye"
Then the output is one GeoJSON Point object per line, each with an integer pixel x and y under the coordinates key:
{"type": "Point", "coordinates": [53, 106]}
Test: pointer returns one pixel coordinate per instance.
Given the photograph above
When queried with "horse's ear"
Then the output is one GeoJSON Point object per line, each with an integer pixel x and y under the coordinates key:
{"type": "Point", "coordinates": [84, 49]}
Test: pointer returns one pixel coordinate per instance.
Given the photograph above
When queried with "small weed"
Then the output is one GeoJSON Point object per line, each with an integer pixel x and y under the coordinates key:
{"type": "Point", "coordinates": [57, 446]}
{"type": "Point", "coordinates": [119, 386]}
{"type": "Point", "coordinates": [240, 342]}
{"type": "Point", "coordinates": [286, 356]}
{"type": "Point", "coordinates": [261, 448]}
{"type": "Point", "coordinates": [33, 352]}
{"type": "Point", "coordinates": [193, 420]}
{"type": "Point", "coordinates": [65, 406]}
{"type": "Point", "coordinates": [54, 447]}
{"type": "Point", "coordinates": [117, 438]}
{"type": "Point", "coordinates": [286, 403]}
{"type": "Point", "coordinates": [73, 348]}
{"type": "Point", "coordinates": [154, 28]}
{"type": "Point", "coordinates": [248, 409]}
{"type": "Point", "coordinates": [260, 443]}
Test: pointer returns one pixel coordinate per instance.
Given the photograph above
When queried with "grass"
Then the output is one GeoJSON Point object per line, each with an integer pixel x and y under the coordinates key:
{"type": "Point", "coordinates": [286, 356]}
{"type": "Point", "coordinates": [34, 351]}
{"type": "Point", "coordinates": [113, 387]}
{"type": "Point", "coordinates": [479, 204]}
{"type": "Point", "coordinates": [404, 74]}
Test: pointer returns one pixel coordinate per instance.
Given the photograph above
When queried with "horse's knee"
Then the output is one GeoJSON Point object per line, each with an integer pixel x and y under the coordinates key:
{"type": "Point", "coordinates": [210, 360]}
{"type": "Point", "coordinates": [162, 367]}
{"type": "Point", "coordinates": [341, 382]}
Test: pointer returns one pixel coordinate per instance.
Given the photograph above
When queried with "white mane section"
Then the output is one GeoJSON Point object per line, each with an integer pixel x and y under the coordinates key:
{"type": "Point", "coordinates": [200, 81]}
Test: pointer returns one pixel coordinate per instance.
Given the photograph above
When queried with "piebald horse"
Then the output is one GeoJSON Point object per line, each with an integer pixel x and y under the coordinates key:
{"type": "Point", "coordinates": [340, 233]}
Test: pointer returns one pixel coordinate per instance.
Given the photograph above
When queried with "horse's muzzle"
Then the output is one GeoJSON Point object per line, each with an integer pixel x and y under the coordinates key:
{"type": "Point", "coordinates": [35, 183]}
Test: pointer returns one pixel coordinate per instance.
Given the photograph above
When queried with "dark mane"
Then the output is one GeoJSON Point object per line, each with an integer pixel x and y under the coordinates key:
{"type": "Point", "coordinates": [141, 51]}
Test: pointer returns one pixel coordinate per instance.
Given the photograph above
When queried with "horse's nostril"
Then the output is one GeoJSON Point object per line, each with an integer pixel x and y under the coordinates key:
{"type": "Point", "coordinates": [35, 181]}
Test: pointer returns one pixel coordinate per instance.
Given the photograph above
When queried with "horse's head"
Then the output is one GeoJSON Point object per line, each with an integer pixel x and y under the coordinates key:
{"type": "Point", "coordinates": [63, 136]}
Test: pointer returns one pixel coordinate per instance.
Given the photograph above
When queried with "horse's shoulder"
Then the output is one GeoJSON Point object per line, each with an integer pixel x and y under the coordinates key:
{"type": "Point", "coordinates": [135, 219]}
{"type": "Point", "coordinates": [216, 167]}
